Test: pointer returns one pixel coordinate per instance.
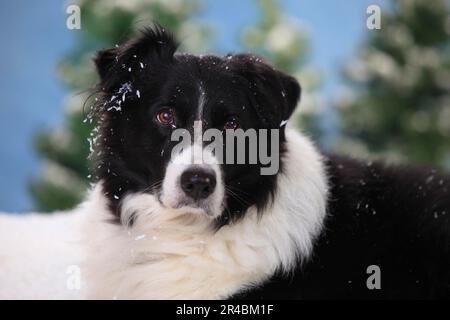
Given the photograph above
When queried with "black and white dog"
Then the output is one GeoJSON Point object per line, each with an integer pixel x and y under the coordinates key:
{"type": "Point", "coordinates": [160, 224]}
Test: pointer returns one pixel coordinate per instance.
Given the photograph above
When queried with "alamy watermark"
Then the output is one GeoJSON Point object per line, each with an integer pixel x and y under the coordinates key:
{"type": "Point", "coordinates": [73, 21]}
{"type": "Point", "coordinates": [373, 21]}
{"type": "Point", "coordinates": [374, 280]}
{"type": "Point", "coordinates": [249, 146]}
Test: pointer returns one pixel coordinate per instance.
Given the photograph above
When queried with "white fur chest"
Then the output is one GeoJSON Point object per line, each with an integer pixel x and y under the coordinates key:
{"type": "Point", "coordinates": [170, 254]}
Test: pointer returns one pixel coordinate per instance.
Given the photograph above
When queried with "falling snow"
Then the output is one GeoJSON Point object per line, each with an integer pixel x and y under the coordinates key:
{"type": "Point", "coordinates": [429, 179]}
{"type": "Point", "coordinates": [115, 108]}
{"type": "Point", "coordinates": [283, 123]}
{"type": "Point", "coordinates": [140, 237]}
{"type": "Point", "coordinates": [91, 148]}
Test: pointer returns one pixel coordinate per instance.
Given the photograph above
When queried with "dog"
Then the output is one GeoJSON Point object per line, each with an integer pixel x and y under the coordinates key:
{"type": "Point", "coordinates": [159, 224]}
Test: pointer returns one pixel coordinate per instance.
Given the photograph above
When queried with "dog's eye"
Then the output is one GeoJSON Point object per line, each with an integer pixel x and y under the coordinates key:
{"type": "Point", "coordinates": [166, 117]}
{"type": "Point", "coordinates": [231, 124]}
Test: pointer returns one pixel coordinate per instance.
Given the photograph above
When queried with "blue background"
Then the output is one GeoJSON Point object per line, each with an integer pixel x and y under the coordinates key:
{"type": "Point", "coordinates": [35, 38]}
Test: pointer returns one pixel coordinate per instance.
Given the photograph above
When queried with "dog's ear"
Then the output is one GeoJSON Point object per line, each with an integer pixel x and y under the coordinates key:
{"type": "Point", "coordinates": [155, 46]}
{"type": "Point", "coordinates": [291, 93]}
{"type": "Point", "coordinates": [275, 93]}
{"type": "Point", "coordinates": [104, 61]}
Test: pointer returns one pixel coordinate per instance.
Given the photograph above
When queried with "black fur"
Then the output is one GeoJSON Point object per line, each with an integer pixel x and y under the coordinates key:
{"type": "Point", "coordinates": [395, 217]}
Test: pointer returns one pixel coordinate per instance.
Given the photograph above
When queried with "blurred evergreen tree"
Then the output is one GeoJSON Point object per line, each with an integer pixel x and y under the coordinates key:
{"type": "Point", "coordinates": [279, 38]}
{"type": "Point", "coordinates": [282, 40]}
{"type": "Point", "coordinates": [398, 104]}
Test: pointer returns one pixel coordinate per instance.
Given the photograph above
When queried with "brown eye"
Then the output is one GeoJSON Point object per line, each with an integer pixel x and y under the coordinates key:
{"type": "Point", "coordinates": [166, 117]}
{"type": "Point", "coordinates": [231, 124]}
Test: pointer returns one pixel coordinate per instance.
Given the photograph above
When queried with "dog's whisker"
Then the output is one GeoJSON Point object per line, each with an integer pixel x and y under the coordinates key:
{"type": "Point", "coordinates": [153, 186]}
{"type": "Point", "coordinates": [232, 193]}
{"type": "Point", "coordinates": [237, 197]}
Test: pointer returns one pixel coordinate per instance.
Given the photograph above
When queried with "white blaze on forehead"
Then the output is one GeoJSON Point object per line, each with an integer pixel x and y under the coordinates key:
{"type": "Point", "coordinates": [195, 154]}
{"type": "Point", "coordinates": [201, 101]}
{"type": "Point", "coordinates": [198, 125]}
{"type": "Point", "coordinates": [198, 136]}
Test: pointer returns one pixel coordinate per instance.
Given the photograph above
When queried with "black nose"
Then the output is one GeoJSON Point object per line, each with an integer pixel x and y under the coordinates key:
{"type": "Point", "coordinates": [198, 183]}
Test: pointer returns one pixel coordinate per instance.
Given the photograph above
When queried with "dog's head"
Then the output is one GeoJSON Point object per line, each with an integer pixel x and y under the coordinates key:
{"type": "Point", "coordinates": [151, 99]}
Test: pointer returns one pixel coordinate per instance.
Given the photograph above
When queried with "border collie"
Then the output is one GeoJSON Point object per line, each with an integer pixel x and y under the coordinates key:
{"type": "Point", "coordinates": [160, 224]}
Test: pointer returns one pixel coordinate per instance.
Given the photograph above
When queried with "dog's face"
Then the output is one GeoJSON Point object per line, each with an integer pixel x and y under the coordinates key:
{"type": "Point", "coordinates": [148, 92]}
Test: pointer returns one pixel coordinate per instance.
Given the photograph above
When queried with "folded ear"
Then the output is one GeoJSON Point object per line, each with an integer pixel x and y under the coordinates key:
{"type": "Point", "coordinates": [154, 45]}
{"type": "Point", "coordinates": [275, 93]}
{"type": "Point", "coordinates": [104, 61]}
{"type": "Point", "coordinates": [291, 93]}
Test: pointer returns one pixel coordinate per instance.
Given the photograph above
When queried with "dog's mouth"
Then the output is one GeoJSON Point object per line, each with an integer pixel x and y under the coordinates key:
{"type": "Point", "coordinates": [195, 208]}
{"type": "Point", "coordinates": [188, 206]}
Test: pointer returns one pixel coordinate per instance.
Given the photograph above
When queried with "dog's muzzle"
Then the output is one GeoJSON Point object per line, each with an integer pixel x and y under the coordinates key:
{"type": "Point", "coordinates": [192, 183]}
